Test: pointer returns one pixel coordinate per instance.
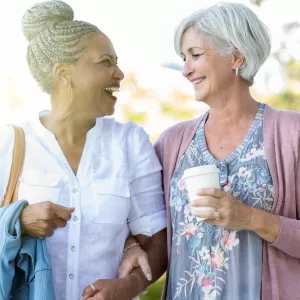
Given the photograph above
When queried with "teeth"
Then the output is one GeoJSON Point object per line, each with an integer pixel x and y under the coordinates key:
{"type": "Point", "coordinates": [198, 81]}
{"type": "Point", "coordinates": [112, 89]}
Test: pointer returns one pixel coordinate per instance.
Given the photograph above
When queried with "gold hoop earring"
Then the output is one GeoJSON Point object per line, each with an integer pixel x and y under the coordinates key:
{"type": "Point", "coordinates": [70, 93]}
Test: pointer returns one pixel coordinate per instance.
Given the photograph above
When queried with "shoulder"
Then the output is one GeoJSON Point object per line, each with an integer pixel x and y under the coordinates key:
{"type": "Point", "coordinates": [129, 136]}
{"type": "Point", "coordinates": [7, 137]}
{"type": "Point", "coordinates": [123, 130]}
{"type": "Point", "coordinates": [284, 120]}
{"type": "Point", "coordinates": [281, 114]}
{"type": "Point", "coordinates": [169, 141]}
{"type": "Point", "coordinates": [179, 127]}
{"type": "Point", "coordinates": [177, 130]}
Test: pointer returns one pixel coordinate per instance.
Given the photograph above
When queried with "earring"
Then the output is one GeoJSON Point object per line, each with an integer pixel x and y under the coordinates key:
{"type": "Point", "coordinates": [70, 93]}
{"type": "Point", "coordinates": [236, 71]}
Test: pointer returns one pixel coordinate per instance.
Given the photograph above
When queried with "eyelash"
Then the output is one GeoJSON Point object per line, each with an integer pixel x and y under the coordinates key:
{"type": "Point", "coordinates": [194, 56]}
{"type": "Point", "coordinates": [108, 62]}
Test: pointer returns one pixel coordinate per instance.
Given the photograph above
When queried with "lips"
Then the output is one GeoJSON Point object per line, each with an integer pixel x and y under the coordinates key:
{"type": "Point", "coordinates": [112, 89]}
{"type": "Point", "coordinates": [198, 80]}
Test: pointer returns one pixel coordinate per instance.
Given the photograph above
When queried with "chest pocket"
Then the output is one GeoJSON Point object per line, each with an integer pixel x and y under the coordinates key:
{"type": "Point", "coordinates": [38, 186]}
{"type": "Point", "coordinates": [111, 201]}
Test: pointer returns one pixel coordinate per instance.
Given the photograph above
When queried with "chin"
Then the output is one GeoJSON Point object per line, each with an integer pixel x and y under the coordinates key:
{"type": "Point", "coordinates": [110, 113]}
{"type": "Point", "coordinates": [200, 97]}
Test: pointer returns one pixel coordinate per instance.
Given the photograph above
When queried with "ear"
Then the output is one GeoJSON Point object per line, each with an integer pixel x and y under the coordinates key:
{"type": "Point", "coordinates": [237, 59]}
{"type": "Point", "coordinates": [61, 73]}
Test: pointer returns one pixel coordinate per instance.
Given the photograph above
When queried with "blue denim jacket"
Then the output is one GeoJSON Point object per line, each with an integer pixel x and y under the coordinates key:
{"type": "Point", "coordinates": [25, 269]}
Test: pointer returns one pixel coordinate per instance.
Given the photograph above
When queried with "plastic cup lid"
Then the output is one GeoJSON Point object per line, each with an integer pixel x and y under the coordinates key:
{"type": "Point", "coordinates": [200, 170]}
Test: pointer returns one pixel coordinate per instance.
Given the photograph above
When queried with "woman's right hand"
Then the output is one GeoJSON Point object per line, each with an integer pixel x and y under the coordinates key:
{"type": "Point", "coordinates": [41, 219]}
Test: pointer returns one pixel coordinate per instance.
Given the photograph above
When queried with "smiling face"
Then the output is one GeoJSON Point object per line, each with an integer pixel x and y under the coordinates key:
{"type": "Point", "coordinates": [209, 72]}
{"type": "Point", "coordinates": [95, 77]}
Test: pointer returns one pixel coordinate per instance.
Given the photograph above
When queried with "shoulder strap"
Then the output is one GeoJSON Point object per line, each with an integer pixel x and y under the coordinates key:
{"type": "Point", "coordinates": [16, 168]}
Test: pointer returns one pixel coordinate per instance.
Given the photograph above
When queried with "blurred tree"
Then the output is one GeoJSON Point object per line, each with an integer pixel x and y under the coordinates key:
{"type": "Point", "coordinates": [257, 2]}
{"type": "Point", "coordinates": [290, 66]}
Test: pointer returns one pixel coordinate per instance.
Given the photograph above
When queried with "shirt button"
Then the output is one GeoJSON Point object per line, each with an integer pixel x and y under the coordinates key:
{"type": "Point", "coordinates": [73, 248]}
{"type": "Point", "coordinates": [74, 190]}
{"type": "Point", "coordinates": [71, 276]}
{"type": "Point", "coordinates": [75, 219]}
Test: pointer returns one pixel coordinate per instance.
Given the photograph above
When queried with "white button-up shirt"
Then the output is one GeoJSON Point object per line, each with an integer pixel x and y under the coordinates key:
{"type": "Point", "coordinates": [116, 190]}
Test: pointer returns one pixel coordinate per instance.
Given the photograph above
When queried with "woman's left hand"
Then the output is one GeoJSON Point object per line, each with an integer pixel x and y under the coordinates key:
{"type": "Point", "coordinates": [229, 212]}
{"type": "Point", "coordinates": [108, 289]}
{"type": "Point", "coordinates": [133, 258]}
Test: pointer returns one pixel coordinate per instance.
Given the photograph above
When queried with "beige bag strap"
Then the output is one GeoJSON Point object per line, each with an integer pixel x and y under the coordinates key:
{"type": "Point", "coordinates": [16, 168]}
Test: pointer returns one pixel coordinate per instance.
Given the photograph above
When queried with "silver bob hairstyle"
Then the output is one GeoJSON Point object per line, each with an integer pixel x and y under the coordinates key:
{"type": "Point", "coordinates": [230, 27]}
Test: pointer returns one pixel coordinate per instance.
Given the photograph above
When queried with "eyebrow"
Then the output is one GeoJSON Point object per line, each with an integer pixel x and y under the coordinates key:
{"type": "Point", "coordinates": [192, 48]}
{"type": "Point", "coordinates": [111, 56]}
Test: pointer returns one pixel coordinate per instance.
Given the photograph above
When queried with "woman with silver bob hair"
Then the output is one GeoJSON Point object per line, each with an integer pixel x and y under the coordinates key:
{"type": "Point", "coordinates": [247, 245]}
{"type": "Point", "coordinates": [89, 180]}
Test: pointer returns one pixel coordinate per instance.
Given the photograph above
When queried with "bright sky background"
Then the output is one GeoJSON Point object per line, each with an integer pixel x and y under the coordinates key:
{"type": "Point", "coordinates": [142, 33]}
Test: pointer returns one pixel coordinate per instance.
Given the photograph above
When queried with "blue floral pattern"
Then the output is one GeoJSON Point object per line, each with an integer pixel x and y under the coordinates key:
{"type": "Point", "coordinates": [209, 262]}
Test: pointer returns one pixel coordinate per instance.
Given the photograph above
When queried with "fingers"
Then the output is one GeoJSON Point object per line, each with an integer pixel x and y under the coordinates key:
{"type": "Point", "coordinates": [216, 193]}
{"type": "Point", "coordinates": [88, 292]}
{"type": "Point", "coordinates": [144, 264]}
{"type": "Point", "coordinates": [126, 268]}
{"type": "Point", "coordinates": [209, 201]}
{"type": "Point", "coordinates": [57, 216]}
{"type": "Point", "coordinates": [59, 223]}
{"type": "Point", "coordinates": [41, 219]}
{"type": "Point", "coordinates": [97, 296]}
{"type": "Point", "coordinates": [205, 214]}
{"type": "Point", "coordinates": [132, 262]}
{"type": "Point", "coordinates": [62, 212]}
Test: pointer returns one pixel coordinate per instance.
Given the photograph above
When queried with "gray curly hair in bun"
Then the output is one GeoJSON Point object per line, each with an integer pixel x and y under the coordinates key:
{"type": "Point", "coordinates": [53, 38]}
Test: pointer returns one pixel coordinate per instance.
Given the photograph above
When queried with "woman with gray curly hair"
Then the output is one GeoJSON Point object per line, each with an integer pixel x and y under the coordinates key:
{"type": "Point", "coordinates": [248, 246]}
{"type": "Point", "coordinates": [89, 180]}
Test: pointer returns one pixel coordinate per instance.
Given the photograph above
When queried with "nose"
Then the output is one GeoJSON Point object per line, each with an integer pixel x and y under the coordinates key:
{"type": "Point", "coordinates": [118, 73]}
{"type": "Point", "coordinates": [187, 69]}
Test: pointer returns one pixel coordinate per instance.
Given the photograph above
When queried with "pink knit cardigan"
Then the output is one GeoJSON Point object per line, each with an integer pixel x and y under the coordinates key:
{"type": "Point", "coordinates": [281, 260]}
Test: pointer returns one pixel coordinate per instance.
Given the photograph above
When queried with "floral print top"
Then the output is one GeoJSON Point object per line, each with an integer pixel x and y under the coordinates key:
{"type": "Point", "coordinates": [207, 261]}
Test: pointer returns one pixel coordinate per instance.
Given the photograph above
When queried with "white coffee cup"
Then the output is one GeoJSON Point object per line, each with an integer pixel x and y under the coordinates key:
{"type": "Point", "coordinates": [206, 176]}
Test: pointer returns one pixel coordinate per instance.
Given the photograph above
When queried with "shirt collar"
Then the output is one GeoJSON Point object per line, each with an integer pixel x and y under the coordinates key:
{"type": "Point", "coordinates": [41, 131]}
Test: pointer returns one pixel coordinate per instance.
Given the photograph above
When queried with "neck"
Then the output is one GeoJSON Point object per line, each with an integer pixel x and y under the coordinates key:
{"type": "Point", "coordinates": [231, 110]}
{"type": "Point", "coordinates": [70, 128]}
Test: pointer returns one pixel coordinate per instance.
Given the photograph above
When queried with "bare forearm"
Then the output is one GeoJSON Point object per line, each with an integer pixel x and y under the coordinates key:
{"type": "Point", "coordinates": [265, 224]}
{"type": "Point", "coordinates": [156, 250]}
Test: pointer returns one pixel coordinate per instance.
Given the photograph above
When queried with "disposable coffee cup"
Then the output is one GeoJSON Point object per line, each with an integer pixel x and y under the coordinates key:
{"type": "Point", "coordinates": [206, 176]}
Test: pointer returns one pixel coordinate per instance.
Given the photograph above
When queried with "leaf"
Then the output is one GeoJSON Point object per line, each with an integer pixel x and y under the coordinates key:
{"type": "Point", "coordinates": [221, 279]}
{"type": "Point", "coordinates": [190, 274]}
{"type": "Point", "coordinates": [192, 285]}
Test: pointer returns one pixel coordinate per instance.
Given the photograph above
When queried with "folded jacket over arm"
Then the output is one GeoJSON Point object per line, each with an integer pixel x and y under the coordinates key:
{"type": "Point", "coordinates": [25, 270]}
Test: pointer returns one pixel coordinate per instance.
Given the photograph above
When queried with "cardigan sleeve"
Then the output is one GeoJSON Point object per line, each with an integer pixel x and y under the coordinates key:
{"type": "Point", "coordinates": [285, 157]}
{"type": "Point", "coordinates": [288, 239]}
